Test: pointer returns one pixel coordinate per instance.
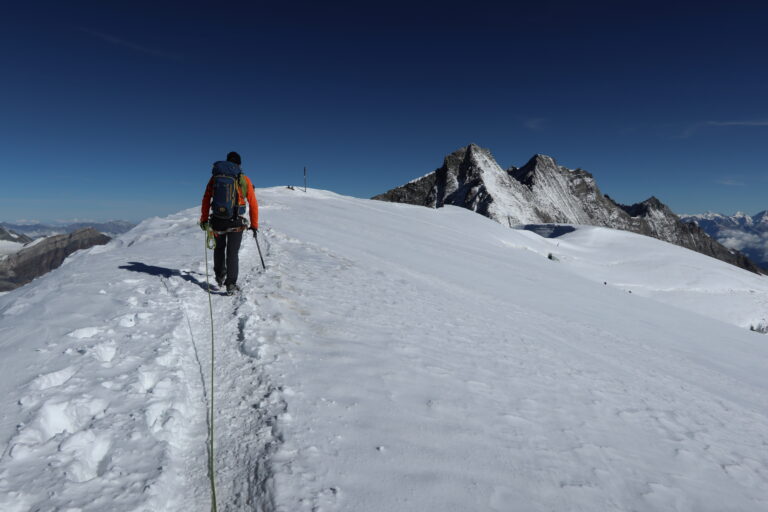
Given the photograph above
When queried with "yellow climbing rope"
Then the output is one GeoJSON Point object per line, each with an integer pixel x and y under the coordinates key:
{"type": "Point", "coordinates": [211, 460]}
{"type": "Point", "coordinates": [210, 243]}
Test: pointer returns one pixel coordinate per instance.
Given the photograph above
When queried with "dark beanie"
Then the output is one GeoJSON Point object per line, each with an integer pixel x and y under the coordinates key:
{"type": "Point", "coordinates": [233, 157]}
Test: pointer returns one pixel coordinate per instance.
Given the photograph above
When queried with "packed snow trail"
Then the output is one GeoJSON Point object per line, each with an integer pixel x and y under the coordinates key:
{"type": "Point", "coordinates": [120, 422]}
{"type": "Point", "coordinates": [390, 358]}
{"type": "Point", "coordinates": [112, 419]}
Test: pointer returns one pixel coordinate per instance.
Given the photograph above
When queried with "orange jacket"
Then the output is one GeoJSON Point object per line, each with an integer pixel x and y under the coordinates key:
{"type": "Point", "coordinates": [253, 205]}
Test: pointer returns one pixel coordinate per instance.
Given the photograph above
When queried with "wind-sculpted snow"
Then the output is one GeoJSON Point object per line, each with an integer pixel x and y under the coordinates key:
{"type": "Point", "coordinates": [391, 357]}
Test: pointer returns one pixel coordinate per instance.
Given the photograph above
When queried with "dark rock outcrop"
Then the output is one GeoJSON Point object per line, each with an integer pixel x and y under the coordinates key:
{"type": "Point", "coordinates": [41, 257]}
{"type": "Point", "coordinates": [543, 192]}
{"type": "Point", "coordinates": [12, 236]}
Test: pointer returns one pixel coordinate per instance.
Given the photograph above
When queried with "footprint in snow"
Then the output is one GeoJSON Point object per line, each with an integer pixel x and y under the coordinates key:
{"type": "Point", "coordinates": [258, 349]}
{"type": "Point", "coordinates": [53, 379]}
{"type": "Point", "coordinates": [128, 320]}
{"type": "Point", "coordinates": [105, 352]}
{"type": "Point", "coordinates": [326, 500]}
{"type": "Point", "coordinates": [88, 455]}
{"type": "Point", "coordinates": [84, 333]}
{"type": "Point", "coordinates": [55, 418]}
{"type": "Point", "coordinates": [147, 379]}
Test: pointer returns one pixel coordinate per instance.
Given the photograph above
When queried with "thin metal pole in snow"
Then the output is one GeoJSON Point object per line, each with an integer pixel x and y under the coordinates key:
{"type": "Point", "coordinates": [305, 179]}
{"type": "Point", "coordinates": [255, 237]}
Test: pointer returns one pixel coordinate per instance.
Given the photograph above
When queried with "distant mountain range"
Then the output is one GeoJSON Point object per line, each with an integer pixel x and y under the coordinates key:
{"type": "Point", "coordinates": [41, 256]}
{"type": "Point", "coordinates": [111, 228]}
{"type": "Point", "coordinates": [742, 232]}
{"type": "Point", "coordinates": [28, 251]}
{"type": "Point", "coordinates": [543, 192]}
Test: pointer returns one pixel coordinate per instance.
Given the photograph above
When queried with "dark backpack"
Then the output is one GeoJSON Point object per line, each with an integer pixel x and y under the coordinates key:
{"type": "Point", "coordinates": [228, 187]}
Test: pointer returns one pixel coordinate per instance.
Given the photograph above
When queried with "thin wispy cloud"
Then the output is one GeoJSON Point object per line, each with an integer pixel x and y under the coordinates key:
{"type": "Point", "coordinates": [72, 221]}
{"type": "Point", "coordinates": [535, 124]}
{"type": "Point", "coordinates": [730, 182]}
{"type": "Point", "coordinates": [692, 129]}
{"type": "Point", "coordinates": [109, 38]}
{"type": "Point", "coordinates": [742, 241]}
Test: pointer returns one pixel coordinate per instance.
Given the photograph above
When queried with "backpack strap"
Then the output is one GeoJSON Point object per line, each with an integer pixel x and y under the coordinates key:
{"type": "Point", "coordinates": [241, 179]}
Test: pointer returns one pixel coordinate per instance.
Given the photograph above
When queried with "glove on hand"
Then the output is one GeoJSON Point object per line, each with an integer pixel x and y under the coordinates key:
{"type": "Point", "coordinates": [255, 231]}
{"type": "Point", "coordinates": [203, 225]}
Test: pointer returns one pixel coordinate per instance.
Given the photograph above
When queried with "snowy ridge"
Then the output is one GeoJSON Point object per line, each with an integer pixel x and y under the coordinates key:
{"type": "Point", "coordinates": [505, 197]}
{"type": "Point", "coordinates": [552, 191]}
{"type": "Point", "coordinates": [384, 363]}
{"type": "Point", "coordinates": [7, 235]}
{"type": "Point", "coordinates": [738, 218]}
{"type": "Point", "coordinates": [33, 229]}
{"type": "Point", "coordinates": [543, 192]}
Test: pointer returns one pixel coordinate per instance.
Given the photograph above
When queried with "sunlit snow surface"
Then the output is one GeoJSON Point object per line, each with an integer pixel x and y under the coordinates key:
{"type": "Point", "coordinates": [8, 247]}
{"type": "Point", "coordinates": [392, 357]}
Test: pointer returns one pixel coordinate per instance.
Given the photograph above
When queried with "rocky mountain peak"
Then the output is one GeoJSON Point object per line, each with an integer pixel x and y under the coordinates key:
{"type": "Point", "coordinates": [12, 236]}
{"type": "Point", "coordinates": [536, 165]}
{"type": "Point", "coordinates": [541, 192]}
{"type": "Point", "coordinates": [540, 166]}
{"type": "Point", "coordinates": [645, 208]}
{"type": "Point", "coordinates": [455, 159]}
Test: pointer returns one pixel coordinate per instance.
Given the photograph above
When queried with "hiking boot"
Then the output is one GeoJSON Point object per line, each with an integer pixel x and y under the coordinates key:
{"type": "Point", "coordinates": [219, 282]}
{"type": "Point", "coordinates": [232, 288]}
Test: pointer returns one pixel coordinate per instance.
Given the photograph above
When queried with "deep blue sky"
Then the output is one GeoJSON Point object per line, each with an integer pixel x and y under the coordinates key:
{"type": "Point", "coordinates": [117, 109]}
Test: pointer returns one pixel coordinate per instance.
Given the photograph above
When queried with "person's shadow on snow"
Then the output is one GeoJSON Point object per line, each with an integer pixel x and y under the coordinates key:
{"type": "Point", "coordinates": [167, 273]}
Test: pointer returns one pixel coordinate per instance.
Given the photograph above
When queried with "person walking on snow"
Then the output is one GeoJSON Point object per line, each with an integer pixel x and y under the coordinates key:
{"type": "Point", "coordinates": [224, 204]}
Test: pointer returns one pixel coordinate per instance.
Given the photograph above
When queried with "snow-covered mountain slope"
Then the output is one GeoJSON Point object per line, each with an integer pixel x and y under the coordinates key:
{"type": "Point", "coordinates": [665, 272]}
{"type": "Point", "coordinates": [542, 191]}
{"type": "Point", "coordinates": [742, 232]}
{"type": "Point", "coordinates": [391, 357]}
{"type": "Point", "coordinates": [7, 247]}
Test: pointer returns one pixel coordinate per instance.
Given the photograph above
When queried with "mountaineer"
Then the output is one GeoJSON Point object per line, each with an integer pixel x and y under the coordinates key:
{"type": "Point", "coordinates": [224, 203]}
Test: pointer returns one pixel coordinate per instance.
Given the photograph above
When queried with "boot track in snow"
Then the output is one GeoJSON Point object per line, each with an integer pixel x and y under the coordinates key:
{"type": "Point", "coordinates": [247, 403]}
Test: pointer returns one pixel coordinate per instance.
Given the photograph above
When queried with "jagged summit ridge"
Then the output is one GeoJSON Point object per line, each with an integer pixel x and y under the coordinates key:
{"type": "Point", "coordinates": [12, 236]}
{"type": "Point", "coordinates": [542, 191]}
{"type": "Point", "coordinates": [471, 178]}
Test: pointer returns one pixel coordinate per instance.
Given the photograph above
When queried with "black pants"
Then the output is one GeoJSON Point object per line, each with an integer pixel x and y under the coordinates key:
{"type": "Point", "coordinates": [225, 256]}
